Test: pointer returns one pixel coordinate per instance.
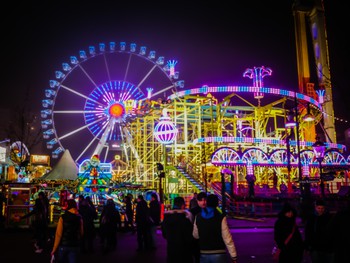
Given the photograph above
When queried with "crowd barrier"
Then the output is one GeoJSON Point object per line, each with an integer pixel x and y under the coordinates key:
{"type": "Point", "coordinates": [251, 208]}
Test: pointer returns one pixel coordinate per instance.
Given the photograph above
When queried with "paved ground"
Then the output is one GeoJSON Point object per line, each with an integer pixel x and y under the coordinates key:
{"type": "Point", "coordinates": [16, 245]}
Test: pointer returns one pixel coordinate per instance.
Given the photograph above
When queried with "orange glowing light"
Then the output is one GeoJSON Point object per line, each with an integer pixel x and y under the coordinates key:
{"type": "Point", "coordinates": [116, 110]}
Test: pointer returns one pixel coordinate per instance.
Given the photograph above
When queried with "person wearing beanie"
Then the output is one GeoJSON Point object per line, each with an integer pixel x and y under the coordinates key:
{"type": "Point", "coordinates": [177, 229]}
{"type": "Point", "coordinates": [317, 234]}
{"type": "Point", "coordinates": [211, 229]}
{"type": "Point", "coordinates": [143, 224]}
{"type": "Point", "coordinates": [287, 236]}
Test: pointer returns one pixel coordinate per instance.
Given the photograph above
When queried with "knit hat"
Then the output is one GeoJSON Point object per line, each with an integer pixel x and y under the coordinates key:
{"type": "Point", "coordinates": [287, 207]}
{"type": "Point", "coordinates": [212, 200]}
{"type": "Point", "coordinates": [71, 204]}
{"type": "Point", "coordinates": [320, 202]}
{"type": "Point", "coordinates": [110, 201]}
{"type": "Point", "coordinates": [178, 202]}
{"type": "Point", "coordinates": [202, 195]}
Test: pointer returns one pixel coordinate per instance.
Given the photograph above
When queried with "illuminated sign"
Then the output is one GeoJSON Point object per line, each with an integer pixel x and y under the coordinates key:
{"type": "Point", "coordinates": [40, 160]}
{"type": "Point", "coordinates": [2, 154]}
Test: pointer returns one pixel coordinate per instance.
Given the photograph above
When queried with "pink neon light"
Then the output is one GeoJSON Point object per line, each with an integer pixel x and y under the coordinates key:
{"type": "Point", "coordinates": [246, 89]}
{"type": "Point", "coordinates": [250, 169]}
{"type": "Point", "coordinates": [305, 170]}
{"type": "Point", "coordinates": [262, 140]}
{"type": "Point", "coordinates": [257, 74]}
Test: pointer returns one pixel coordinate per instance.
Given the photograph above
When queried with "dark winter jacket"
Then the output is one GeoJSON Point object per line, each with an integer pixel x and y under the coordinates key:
{"type": "Point", "coordinates": [154, 210]}
{"type": "Point", "coordinates": [142, 217]}
{"type": "Point", "coordinates": [317, 233]}
{"type": "Point", "coordinates": [177, 230]}
{"type": "Point", "coordinates": [292, 251]}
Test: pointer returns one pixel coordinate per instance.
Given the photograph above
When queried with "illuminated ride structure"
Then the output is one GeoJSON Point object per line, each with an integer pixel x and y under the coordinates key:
{"type": "Point", "coordinates": [242, 129]}
{"type": "Point", "coordinates": [89, 111]}
{"type": "Point", "coordinates": [239, 131]}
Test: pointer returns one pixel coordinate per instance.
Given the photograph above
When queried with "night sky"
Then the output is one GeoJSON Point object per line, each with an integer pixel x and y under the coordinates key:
{"type": "Point", "coordinates": [213, 43]}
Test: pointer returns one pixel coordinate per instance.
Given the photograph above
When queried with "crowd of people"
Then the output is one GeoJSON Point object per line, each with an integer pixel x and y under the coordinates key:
{"type": "Point", "coordinates": [201, 232]}
{"type": "Point", "coordinates": [198, 229]}
{"type": "Point", "coordinates": [325, 238]}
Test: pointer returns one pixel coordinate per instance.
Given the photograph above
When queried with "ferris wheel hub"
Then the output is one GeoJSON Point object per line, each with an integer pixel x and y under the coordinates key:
{"type": "Point", "coordinates": [116, 110]}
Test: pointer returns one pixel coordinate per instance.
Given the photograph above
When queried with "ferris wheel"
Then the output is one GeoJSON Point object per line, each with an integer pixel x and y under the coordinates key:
{"type": "Point", "coordinates": [89, 104]}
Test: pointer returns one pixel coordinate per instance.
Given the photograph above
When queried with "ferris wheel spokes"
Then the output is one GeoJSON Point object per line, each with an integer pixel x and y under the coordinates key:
{"type": "Point", "coordinates": [82, 95]}
{"type": "Point", "coordinates": [146, 76]}
{"type": "Point", "coordinates": [107, 67]}
{"type": "Point", "coordinates": [87, 75]}
{"type": "Point", "coordinates": [86, 148]}
{"type": "Point", "coordinates": [163, 90]}
{"type": "Point", "coordinates": [91, 142]}
{"type": "Point", "coordinates": [75, 111]}
{"type": "Point", "coordinates": [105, 135]}
{"type": "Point", "coordinates": [81, 128]}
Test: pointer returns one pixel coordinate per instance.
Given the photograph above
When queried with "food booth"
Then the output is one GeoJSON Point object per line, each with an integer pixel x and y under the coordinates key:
{"type": "Point", "coordinates": [19, 203]}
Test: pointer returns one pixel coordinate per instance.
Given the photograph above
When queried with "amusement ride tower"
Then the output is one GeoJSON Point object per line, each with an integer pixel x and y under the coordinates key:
{"type": "Point", "coordinates": [309, 19]}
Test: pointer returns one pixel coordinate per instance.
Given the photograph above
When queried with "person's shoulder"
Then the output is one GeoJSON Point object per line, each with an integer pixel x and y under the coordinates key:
{"type": "Point", "coordinates": [311, 218]}
{"type": "Point", "coordinates": [343, 213]}
{"type": "Point", "coordinates": [219, 214]}
{"type": "Point", "coordinates": [195, 210]}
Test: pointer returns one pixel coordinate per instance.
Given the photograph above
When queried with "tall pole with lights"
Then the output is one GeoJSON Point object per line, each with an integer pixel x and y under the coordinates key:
{"type": "Point", "coordinates": [319, 150]}
{"type": "Point", "coordinates": [225, 172]}
{"type": "Point", "coordinates": [300, 174]}
{"type": "Point", "coordinates": [289, 165]}
{"type": "Point", "coordinates": [293, 120]}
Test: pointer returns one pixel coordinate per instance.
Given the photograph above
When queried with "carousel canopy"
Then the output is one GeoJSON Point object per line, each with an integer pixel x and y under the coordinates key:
{"type": "Point", "coordinates": [65, 169]}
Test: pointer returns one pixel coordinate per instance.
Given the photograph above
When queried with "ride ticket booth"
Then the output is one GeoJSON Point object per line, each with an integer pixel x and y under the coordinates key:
{"type": "Point", "coordinates": [18, 204]}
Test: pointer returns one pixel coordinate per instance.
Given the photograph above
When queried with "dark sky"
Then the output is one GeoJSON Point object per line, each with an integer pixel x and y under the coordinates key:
{"type": "Point", "coordinates": [213, 42]}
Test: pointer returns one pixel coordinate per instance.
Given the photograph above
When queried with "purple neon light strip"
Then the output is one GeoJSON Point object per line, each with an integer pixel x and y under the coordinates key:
{"type": "Point", "coordinates": [247, 89]}
{"type": "Point", "coordinates": [262, 140]}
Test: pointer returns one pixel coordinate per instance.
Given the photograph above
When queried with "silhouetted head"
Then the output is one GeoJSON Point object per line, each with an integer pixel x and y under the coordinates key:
{"type": "Point", "coordinates": [155, 196]}
{"type": "Point", "coordinates": [179, 202]}
{"type": "Point", "coordinates": [41, 195]}
{"type": "Point", "coordinates": [212, 200]}
{"type": "Point", "coordinates": [288, 210]}
{"type": "Point", "coordinates": [110, 202]}
{"type": "Point", "coordinates": [320, 202]}
{"type": "Point", "coordinates": [201, 195]}
{"type": "Point", "coordinates": [71, 204]}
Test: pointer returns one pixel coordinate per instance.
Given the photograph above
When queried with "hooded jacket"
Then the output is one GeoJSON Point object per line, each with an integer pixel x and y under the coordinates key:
{"type": "Point", "coordinates": [177, 230]}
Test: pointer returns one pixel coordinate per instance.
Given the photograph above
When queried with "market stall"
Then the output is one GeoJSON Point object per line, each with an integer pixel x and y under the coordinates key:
{"type": "Point", "coordinates": [19, 203]}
